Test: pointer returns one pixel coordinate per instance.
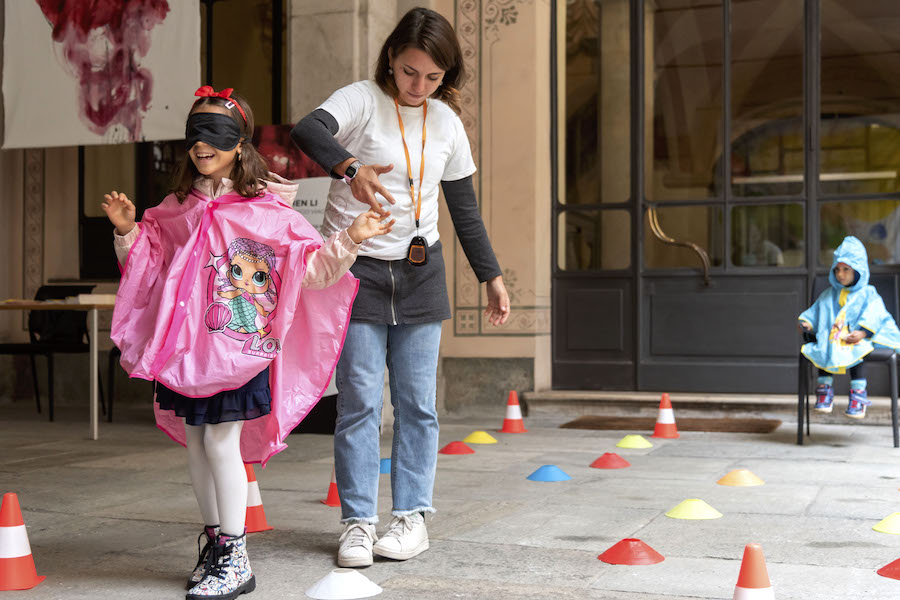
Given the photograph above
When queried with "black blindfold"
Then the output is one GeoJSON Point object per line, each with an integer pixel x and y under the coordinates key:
{"type": "Point", "coordinates": [218, 130]}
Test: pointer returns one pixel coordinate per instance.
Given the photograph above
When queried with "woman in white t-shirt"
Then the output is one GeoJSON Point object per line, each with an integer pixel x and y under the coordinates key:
{"type": "Point", "coordinates": [398, 139]}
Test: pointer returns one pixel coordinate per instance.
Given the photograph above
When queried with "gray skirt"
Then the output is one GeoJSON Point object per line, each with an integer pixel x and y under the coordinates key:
{"type": "Point", "coordinates": [394, 292]}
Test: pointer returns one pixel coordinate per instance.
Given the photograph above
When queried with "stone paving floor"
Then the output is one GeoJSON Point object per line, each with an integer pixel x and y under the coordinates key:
{"type": "Point", "coordinates": [116, 518]}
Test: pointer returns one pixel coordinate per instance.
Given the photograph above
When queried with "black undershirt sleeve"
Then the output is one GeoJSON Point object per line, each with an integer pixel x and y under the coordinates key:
{"type": "Point", "coordinates": [460, 197]}
{"type": "Point", "coordinates": [314, 134]}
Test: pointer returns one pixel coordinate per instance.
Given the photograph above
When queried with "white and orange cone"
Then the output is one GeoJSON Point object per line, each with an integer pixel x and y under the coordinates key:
{"type": "Point", "coordinates": [17, 570]}
{"type": "Point", "coordinates": [753, 581]}
{"type": "Point", "coordinates": [665, 421]}
{"type": "Point", "coordinates": [513, 422]}
{"type": "Point", "coordinates": [256, 516]}
{"type": "Point", "coordinates": [332, 499]}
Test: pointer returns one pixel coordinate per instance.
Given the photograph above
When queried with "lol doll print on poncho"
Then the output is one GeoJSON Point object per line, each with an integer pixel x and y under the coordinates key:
{"type": "Point", "coordinates": [211, 295]}
{"type": "Point", "coordinates": [250, 302]}
{"type": "Point", "coordinates": [841, 310]}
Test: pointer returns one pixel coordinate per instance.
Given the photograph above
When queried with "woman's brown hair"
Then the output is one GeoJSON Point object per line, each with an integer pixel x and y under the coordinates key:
{"type": "Point", "coordinates": [249, 174]}
{"type": "Point", "coordinates": [430, 32]}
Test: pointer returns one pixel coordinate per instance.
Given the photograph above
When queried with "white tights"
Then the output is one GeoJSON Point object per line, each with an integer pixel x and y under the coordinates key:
{"type": "Point", "coordinates": [218, 475]}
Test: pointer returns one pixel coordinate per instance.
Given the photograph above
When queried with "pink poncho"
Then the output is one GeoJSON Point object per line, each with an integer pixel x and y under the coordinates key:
{"type": "Point", "coordinates": [183, 318]}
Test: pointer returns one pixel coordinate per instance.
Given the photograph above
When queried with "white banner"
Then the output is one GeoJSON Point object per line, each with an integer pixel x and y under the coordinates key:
{"type": "Point", "coordinates": [311, 198]}
{"type": "Point", "coordinates": [74, 74]}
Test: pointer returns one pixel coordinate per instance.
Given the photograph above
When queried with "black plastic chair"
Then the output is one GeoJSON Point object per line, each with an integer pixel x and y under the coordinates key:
{"type": "Point", "coordinates": [54, 332]}
{"type": "Point", "coordinates": [885, 287]}
{"type": "Point", "coordinates": [806, 372]}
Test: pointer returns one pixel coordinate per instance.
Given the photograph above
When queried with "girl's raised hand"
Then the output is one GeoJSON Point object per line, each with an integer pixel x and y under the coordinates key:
{"type": "Point", "coordinates": [369, 224]}
{"type": "Point", "coordinates": [120, 211]}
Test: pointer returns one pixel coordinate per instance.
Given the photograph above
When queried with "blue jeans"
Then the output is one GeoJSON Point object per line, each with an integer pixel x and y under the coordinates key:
{"type": "Point", "coordinates": [411, 354]}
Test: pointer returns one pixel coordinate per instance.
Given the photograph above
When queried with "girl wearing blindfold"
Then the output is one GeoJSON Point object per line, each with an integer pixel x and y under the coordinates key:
{"type": "Point", "coordinates": [234, 305]}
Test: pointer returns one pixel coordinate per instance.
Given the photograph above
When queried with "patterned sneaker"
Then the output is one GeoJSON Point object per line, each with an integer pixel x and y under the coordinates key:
{"type": "Point", "coordinates": [210, 533]}
{"type": "Point", "coordinates": [824, 398]}
{"type": "Point", "coordinates": [356, 545]}
{"type": "Point", "coordinates": [859, 400]}
{"type": "Point", "coordinates": [229, 574]}
{"type": "Point", "coordinates": [406, 537]}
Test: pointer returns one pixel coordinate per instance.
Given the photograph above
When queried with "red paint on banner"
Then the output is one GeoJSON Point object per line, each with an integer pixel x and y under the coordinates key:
{"type": "Point", "coordinates": [102, 44]}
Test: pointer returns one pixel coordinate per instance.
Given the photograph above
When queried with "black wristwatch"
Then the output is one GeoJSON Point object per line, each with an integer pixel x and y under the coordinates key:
{"type": "Point", "coordinates": [351, 171]}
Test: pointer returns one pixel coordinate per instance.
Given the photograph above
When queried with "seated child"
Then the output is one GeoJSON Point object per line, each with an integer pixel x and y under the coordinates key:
{"type": "Point", "coordinates": [849, 320]}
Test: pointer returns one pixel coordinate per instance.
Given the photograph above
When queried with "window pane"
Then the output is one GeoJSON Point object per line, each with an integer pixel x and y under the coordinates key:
{"type": "Point", "coordinates": [701, 225]}
{"type": "Point", "coordinates": [598, 97]}
{"type": "Point", "coordinates": [107, 168]}
{"type": "Point", "coordinates": [242, 53]}
{"type": "Point", "coordinates": [767, 235]}
{"type": "Point", "coordinates": [594, 240]}
{"type": "Point", "coordinates": [157, 162]}
{"type": "Point", "coordinates": [766, 98]}
{"type": "Point", "coordinates": [686, 99]}
{"type": "Point", "coordinates": [875, 222]}
{"type": "Point", "coordinates": [860, 142]}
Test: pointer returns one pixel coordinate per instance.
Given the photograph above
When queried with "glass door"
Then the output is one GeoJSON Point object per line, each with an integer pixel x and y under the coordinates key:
{"type": "Point", "coordinates": [761, 133]}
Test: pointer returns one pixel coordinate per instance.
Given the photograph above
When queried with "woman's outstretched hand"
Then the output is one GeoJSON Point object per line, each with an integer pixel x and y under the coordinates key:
{"type": "Point", "coordinates": [497, 311]}
{"type": "Point", "coordinates": [120, 211]}
{"type": "Point", "coordinates": [366, 184]}
{"type": "Point", "coordinates": [369, 224]}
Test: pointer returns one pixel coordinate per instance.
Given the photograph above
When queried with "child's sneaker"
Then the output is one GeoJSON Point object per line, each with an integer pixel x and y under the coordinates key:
{"type": "Point", "coordinates": [229, 574]}
{"type": "Point", "coordinates": [210, 533]}
{"type": "Point", "coordinates": [824, 398]}
{"type": "Point", "coordinates": [859, 400]}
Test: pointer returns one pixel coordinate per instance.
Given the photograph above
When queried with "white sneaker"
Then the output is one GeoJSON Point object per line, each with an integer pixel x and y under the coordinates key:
{"type": "Point", "coordinates": [356, 545]}
{"type": "Point", "coordinates": [406, 537]}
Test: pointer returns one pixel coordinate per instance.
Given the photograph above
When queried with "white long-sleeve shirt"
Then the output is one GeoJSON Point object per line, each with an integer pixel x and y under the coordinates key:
{"type": "Point", "coordinates": [324, 267]}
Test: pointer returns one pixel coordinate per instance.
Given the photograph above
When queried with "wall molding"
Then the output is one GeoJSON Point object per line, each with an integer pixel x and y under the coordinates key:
{"type": "Point", "coordinates": [479, 25]}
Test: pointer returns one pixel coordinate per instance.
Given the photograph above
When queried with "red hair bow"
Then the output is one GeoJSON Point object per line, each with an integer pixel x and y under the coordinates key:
{"type": "Point", "coordinates": [207, 91]}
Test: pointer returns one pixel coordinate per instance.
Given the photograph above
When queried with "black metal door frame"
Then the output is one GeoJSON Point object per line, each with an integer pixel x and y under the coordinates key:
{"type": "Point", "coordinates": [637, 271]}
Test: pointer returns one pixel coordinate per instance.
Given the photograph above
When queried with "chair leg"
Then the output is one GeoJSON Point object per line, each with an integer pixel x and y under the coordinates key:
{"type": "Point", "coordinates": [801, 395]}
{"type": "Point", "coordinates": [111, 383]}
{"type": "Point", "coordinates": [807, 376]}
{"type": "Point", "coordinates": [100, 389]}
{"type": "Point", "coordinates": [892, 369]}
{"type": "Point", "coordinates": [34, 380]}
{"type": "Point", "coordinates": [50, 384]}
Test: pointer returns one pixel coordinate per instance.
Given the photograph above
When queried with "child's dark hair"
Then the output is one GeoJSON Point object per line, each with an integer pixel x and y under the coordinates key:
{"type": "Point", "coordinates": [249, 174]}
{"type": "Point", "coordinates": [430, 32]}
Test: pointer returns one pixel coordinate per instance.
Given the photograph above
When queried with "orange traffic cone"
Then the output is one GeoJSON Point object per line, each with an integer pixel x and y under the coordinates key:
{"type": "Point", "coordinates": [256, 516]}
{"type": "Point", "coordinates": [665, 422]}
{"type": "Point", "coordinates": [513, 422]}
{"type": "Point", "coordinates": [753, 581]}
{"type": "Point", "coordinates": [17, 570]}
{"type": "Point", "coordinates": [332, 499]}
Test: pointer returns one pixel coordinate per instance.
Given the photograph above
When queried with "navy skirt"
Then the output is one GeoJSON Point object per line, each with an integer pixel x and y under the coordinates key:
{"type": "Point", "coordinates": [250, 401]}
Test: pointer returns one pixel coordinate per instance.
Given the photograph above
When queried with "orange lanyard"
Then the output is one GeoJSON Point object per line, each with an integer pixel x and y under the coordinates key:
{"type": "Point", "coordinates": [412, 194]}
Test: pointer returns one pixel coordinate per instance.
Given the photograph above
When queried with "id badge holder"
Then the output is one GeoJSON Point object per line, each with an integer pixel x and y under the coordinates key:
{"type": "Point", "coordinates": [417, 254]}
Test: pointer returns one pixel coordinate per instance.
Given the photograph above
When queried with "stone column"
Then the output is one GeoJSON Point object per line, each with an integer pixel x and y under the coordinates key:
{"type": "Point", "coordinates": [323, 51]}
{"type": "Point", "coordinates": [332, 44]}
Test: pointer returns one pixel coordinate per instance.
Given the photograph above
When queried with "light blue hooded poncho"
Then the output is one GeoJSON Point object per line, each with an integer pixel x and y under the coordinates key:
{"type": "Point", "coordinates": [840, 310]}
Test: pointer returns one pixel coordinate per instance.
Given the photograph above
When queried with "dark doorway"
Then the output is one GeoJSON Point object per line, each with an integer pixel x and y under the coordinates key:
{"type": "Point", "coordinates": [756, 134]}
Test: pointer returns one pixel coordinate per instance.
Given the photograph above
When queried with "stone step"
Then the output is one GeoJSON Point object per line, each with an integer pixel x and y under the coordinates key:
{"type": "Point", "coordinates": [779, 406]}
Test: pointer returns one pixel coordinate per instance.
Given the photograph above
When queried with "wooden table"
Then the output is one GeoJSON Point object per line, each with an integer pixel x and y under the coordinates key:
{"type": "Point", "coordinates": [93, 310]}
